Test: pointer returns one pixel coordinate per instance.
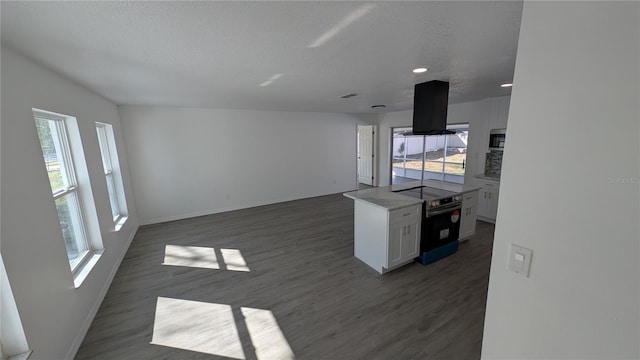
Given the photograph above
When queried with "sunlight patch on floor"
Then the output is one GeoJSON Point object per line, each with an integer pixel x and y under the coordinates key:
{"type": "Point", "coordinates": [204, 257]}
{"type": "Point", "coordinates": [196, 326]}
{"type": "Point", "coordinates": [191, 256]}
{"type": "Point", "coordinates": [234, 260]}
{"type": "Point", "coordinates": [266, 336]}
{"type": "Point", "coordinates": [210, 328]}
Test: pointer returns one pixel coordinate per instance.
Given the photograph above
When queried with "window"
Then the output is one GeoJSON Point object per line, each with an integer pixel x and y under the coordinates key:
{"type": "Point", "coordinates": [445, 156]}
{"type": "Point", "coordinates": [111, 173]}
{"type": "Point", "coordinates": [64, 185]}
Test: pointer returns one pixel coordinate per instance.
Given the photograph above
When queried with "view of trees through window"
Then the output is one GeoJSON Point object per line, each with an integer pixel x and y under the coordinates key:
{"type": "Point", "coordinates": [445, 156]}
{"type": "Point", "coordinates": [50, 154]}
{"type": "Point", "coordinates": [57, 158]}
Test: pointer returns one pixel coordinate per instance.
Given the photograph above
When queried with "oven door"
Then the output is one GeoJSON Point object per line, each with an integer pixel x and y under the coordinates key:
{"type": "Point", "coordinates": [442, 226]}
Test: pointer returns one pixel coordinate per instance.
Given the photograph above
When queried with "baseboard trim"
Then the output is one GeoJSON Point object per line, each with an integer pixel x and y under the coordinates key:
{"type": "Point", "coordinates": [96, 306]}
{"type": "Point", "coordinates": [234, 208]}
{"type": "Point", "coordinates": [486, 219]}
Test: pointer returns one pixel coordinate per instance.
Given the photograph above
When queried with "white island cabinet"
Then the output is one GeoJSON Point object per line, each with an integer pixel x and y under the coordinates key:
{"type": "Point", "coordinates": [385, 239]}
{"type": "Point", "coordinates": [388, 225]}
{"type": "Point", "coordinates": [469, 212]}
{"type": "Point", "coordinates": [386, 228]}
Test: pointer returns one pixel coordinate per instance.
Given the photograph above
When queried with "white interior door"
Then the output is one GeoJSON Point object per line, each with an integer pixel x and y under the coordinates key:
{"type": "Point", "coordinates": [365, 154]}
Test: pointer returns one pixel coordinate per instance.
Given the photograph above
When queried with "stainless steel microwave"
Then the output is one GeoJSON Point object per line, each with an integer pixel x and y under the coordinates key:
{"type": "Point", "coordinates": [497, 138]}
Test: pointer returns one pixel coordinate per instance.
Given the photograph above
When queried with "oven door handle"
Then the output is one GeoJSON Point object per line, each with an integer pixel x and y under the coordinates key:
{"type": "Point", "coordinates": [447, 209]}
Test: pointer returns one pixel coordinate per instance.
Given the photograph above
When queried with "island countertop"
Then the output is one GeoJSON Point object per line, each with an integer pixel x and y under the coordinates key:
{"type": "Point", "coordinates": [385, 196]}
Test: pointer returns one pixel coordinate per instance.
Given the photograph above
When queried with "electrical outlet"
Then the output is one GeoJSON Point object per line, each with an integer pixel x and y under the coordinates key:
{"type": "Point", "coordinates": [520, 260]}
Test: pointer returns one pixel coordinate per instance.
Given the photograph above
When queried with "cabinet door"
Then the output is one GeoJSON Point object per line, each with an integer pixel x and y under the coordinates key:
{"type": "Point", "coordinates": [469, 213]}
{"type": "Point", "coordinates": [483, 204]}
{"type": "Point", "coordinates": [499, 112]}
{"type": "Point", "coordinates": [503, 112]}
{"type": "Point", "coordinates": [394, 245]}
{"type": "Point", "coordinates": [411, 241]}
{"type": "Point", "coordinates": [492, 209]}
{"type": "Point", "coordinates": [478, 140]}
{"type": "Point", "coordinates": [468, 222]}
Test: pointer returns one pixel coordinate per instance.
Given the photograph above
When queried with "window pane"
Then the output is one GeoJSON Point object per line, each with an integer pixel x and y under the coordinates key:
{"type": "Point", "coordinates": [434, 153]}
{"type": "Point", "coordinates": [72, 230]}
{"type": "Point", "coordinates": [407, 154]}
{"type": "Point", "coordinates": [445, 155]}
{"type": "Point", "coordinates": [104, 148]}
{"type": "Point", "coordinates": [113, 199]}
{"type": "Point", "coordinates": [456, 156]}
{"type": "Point", "coordinates": [52, 152]}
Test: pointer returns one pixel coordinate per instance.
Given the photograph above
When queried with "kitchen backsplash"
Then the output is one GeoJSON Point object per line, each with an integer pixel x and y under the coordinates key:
{"type": "Point", "coordinates": [493, 163]}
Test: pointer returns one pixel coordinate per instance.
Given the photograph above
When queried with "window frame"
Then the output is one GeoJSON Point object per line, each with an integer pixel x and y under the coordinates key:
{"type": "Point", "coordinates": [108, 154]}
{"type": "Point", "coordinates": [70, 188]}
{"type": "Point", "coordinates": [107, 167]}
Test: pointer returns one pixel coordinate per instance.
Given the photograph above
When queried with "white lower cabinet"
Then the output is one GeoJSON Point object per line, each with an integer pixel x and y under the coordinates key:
{"type": "Point", "coordinates": [404, 242]}
{"type": "Point", "coordinates": [386, 239]}
{"type": "Point", "coordinates": [488, 200]}
{"type": "Point", "coordinates": [469, 213]}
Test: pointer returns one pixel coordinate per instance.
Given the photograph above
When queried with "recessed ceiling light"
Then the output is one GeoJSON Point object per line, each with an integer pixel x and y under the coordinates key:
{"type": "Point", "coordinates": [506, 85]}
{"type": "Point", "coordinates": [419, 70]}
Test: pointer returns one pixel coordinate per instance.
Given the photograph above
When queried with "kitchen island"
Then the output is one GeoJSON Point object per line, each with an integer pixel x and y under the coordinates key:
{"type": "Point", "coordinates": [388, 225]}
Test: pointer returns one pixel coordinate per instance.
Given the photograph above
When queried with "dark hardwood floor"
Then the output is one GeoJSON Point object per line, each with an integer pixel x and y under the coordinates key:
{"type": "Point", "coordinates": [327, 304]}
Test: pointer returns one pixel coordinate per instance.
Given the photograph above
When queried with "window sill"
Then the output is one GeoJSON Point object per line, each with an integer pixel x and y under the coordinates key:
{"type": "Point", "coordinates": [23, 356]}
{"type": "Point", "coordinates": [120, 223]}
{"type": "Point", "coordinates": [83, 272]}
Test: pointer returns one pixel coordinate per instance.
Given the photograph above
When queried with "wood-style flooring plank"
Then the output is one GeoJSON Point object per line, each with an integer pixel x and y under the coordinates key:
{"type": "Point", "coordinates": [327, 304]}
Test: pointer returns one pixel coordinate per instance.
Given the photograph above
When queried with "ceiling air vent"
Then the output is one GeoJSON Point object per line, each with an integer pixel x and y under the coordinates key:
{"type": "Point", "coordinates": [348, 96]}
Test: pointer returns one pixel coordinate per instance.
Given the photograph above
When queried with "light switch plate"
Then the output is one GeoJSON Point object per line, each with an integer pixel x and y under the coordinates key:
{"type": "Point", "coordinates": [520, 260]}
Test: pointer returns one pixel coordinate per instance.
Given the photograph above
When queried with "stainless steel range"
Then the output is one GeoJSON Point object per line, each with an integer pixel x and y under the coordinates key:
{"type": "Point", "coordinates": [441, 216]}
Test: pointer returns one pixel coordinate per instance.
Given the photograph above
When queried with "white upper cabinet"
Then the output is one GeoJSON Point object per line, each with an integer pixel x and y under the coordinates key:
{"type": "Point", "coordinates": [499, 113]}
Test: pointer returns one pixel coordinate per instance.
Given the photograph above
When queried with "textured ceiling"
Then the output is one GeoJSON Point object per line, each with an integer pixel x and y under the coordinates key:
{"type": "Point", "coordinates": [296, 56]}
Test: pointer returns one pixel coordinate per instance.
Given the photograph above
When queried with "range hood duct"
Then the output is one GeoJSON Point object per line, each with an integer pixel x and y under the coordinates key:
{"type": "Point", "coordinates": [430, 102]}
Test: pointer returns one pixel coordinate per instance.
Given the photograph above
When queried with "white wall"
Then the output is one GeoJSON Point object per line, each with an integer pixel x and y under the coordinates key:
{"type": "Point", "coordinates": [188, 161]}
{"type": "Point", "coordinates": [480, 115]}
{"type": "Point", "coordinates": [13, 340]}
{"type": "Point", "coordinates": [55, 315]}
{"type": "Point", "coordinates": [574, 203]}
{"type": "Point", "coordinates": [385, 123]}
